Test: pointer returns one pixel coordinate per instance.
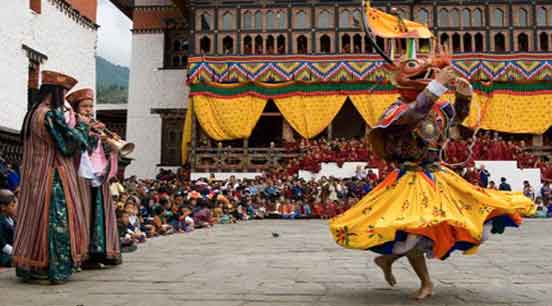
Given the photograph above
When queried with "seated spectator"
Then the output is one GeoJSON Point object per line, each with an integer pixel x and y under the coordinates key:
{"type": "Point", "coordinates": [542, 210]}
{"type": "Point", "coordinates": [8, 210]}
{"type": "Point", "coordinates": [134, 228]}
{"type": "Point", "coordinates": [161, 227]}
{"type": "Point", "coordinates": [307, 210]}
{"type": "Point", "coordinates": [202, 215]}
{"type": "Point", "coordinates": [127, 242]}
{"type": "Point", "coordinates": [528, 190]}
{"type": "Point", "coordinates": [546, 192]}
{"type": "Point", "coordinates": [549, 208]}
{"type": "Point", "coordinates": [185, 222]}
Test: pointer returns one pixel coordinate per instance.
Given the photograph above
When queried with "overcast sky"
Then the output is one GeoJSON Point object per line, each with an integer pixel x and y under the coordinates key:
{"type": "Point", "coordinates": [114, 37]}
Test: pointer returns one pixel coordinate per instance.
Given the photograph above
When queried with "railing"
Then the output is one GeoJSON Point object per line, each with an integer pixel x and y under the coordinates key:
{"type": "Point", "coordinates": [11, 149]}
{"type": "Point", "coordinates": [539, 150]}
{"type": "Point", "coordinates": [238, 159]}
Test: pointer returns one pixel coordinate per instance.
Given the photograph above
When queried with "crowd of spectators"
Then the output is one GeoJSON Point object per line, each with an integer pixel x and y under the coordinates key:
{"type": "Point", "coordinates": [488, 146]}
{"type": "Point", "coordinates": [171, 203]}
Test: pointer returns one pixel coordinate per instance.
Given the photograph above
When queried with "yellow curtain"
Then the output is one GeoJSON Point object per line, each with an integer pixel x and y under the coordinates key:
{"type": "Point", "coordinates": [512, 113]}
{"type": "Point", "coordinates": [227, 119]}
{"type": "Point", "coordinates": [187, 133]}
{"type": "Point", "coordinates": [502, 112]}
{"type": "Point", "coordinates": [310, 115]}
{"type": "Point", "coordinates": [372, 106]}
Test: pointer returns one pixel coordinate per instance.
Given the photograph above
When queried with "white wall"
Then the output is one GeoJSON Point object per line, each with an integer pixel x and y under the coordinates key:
{"type": "Point", "coordinates": [150, 87]}
{"type": "Point", "coordinates": [69, 45]}
{"type": "Point", "coordinates": [514, 176]}
{"type": "Point", "coordinates": [347, 170]}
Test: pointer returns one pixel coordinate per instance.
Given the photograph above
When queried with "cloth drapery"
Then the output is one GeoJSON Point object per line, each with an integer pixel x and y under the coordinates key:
{"type": "Point", "coordinates": [226, 119]}
{"type": "Point", "coordinates": [310, 115]}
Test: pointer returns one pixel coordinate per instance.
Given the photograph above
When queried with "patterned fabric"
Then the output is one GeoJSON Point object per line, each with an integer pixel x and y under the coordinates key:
{"type": "Point", "coordinates": [512, 113]}
{"type": "Point", "coordinates": [436, 204]}
{"type": "Point", "coordinates": [49, 150]}
{"type": "Point", "coordinates": [369, 68]}
{"type": "Point", "coordinates": [310, 115]}
{"type": "Point", "coordinates": [104, 243]}
{"type": "Point", "coordinates": [60, 264]}
{"type": "Point", "coordinates": [388, 26]}
{"type": "Point", "coordinates": [530, 112]}
{"type": "Point", "coordinates": [371, 107]}
{"type": "Point", "coordinates": [226, 119]}
{"type": "Point", "coordinates": [97, 228]}
{"type": "Point", "coordinates": [187, 132]}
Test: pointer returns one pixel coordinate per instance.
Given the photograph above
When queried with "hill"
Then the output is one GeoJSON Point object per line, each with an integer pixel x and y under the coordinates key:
{"type": "Point", "coordinates": [111, 82]}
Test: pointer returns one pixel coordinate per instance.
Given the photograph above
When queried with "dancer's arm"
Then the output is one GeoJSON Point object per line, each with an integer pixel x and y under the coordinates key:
{"type": "Point", "coordinates": [419, 109]}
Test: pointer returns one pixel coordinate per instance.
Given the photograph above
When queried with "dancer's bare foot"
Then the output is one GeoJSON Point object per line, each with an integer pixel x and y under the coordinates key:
{"type": "Point", "coordinates": [425, 292]}
{"type": "Point", "coordinates": [385, 264]}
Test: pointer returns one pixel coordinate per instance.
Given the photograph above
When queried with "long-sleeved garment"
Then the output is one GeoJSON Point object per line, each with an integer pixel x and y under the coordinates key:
{"type": "Point", "coordinates": [52, 233]}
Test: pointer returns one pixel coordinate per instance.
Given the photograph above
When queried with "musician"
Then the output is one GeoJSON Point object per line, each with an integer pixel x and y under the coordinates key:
{"type": "Point", "coordinates": [98, 168]}
{"type": "Point", "coordinates": [51, 235]}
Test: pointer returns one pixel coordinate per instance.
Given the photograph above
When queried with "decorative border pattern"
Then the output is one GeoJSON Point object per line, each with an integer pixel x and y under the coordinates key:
{"type": "Point", "coordinates": [289, 89]}
{"type": "Point", "coordinates": [338, 68]}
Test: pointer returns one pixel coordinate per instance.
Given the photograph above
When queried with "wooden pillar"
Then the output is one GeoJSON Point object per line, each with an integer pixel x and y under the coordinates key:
{"type": "Point", "coordinates": [487, 23]}
{"type": "Point", "coordinates": [245, 158]}
{"type": "Point", "coordinates": [537, 140]}
{"type": "Point", "coordinates": [330, 131]}
{"type": "Point", "coordinates": [289, 30]}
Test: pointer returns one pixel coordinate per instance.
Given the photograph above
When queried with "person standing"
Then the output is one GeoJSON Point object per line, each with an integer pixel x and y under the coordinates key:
{"type": "Point", "coordinates": [483, 176]}
{"type": "Point", "coordinates": [504, 186]}
{"type": "Point", "coordinates": [51, 235]}
{"type": "Point", "coordinates": [8, 208]}
{"type": "Point", "coordinates": [98, 168]}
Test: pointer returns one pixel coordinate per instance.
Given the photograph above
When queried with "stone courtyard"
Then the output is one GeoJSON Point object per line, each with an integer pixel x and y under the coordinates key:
{"type": "Point", "coordinates": [243, 264]}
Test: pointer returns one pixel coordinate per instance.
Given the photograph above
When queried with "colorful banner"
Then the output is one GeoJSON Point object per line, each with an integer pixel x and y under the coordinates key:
{"type": "Point", "coordinates": [368, 68]}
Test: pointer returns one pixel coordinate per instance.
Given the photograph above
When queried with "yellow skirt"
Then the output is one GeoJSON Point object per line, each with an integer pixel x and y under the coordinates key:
{"type": "Point", "coordinates": [438, 205]}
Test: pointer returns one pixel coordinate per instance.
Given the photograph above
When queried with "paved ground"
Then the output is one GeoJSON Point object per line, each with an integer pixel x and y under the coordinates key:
{"type": "Point", "coordinates": [242, 264]}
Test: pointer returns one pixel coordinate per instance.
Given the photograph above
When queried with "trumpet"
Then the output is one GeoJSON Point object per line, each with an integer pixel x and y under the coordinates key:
{"type": "Point", "coordinates": [113, 139]}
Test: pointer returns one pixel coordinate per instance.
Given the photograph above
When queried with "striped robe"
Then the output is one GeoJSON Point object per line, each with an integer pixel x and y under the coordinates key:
{"type": "Point", "coordinates": [41, 159]}
{"type": "Point", "coordinates": [112, 247]}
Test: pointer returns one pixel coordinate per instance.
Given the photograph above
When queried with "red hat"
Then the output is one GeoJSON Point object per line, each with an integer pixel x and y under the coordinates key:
{"type": "Point", "coordinates": [59, 79]}
{"type": "Point", "coordinates": [82, 94]}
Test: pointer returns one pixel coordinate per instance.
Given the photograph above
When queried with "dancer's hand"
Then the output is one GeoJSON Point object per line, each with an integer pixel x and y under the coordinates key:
{"type": "Point", "coordinates": [463, 87]}
{"type": "Point", "coordinates": [445, 76]}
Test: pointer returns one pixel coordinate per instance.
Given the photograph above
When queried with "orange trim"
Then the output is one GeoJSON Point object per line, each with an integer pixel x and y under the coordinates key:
{"type": "Point", "coordinates": [427, 179]}
{"type": "Point", "coordinates": [444, 235]}
{"type": "Point", "coordinates": [390, 179]}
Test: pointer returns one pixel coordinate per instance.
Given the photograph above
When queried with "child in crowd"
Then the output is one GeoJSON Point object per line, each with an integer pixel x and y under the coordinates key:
{"type": "Point", "coordinates": [134, 228]}
{"type": "Point", "coordinates": [184, 223]}
{"type": "Point", "coordinates": [126, 240]}
{"type": "Point", "coordinates": [8, 208]}
{"type": "Point", "coordinates": [160, 225]}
